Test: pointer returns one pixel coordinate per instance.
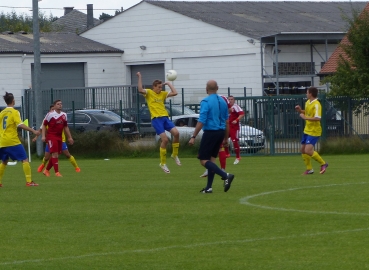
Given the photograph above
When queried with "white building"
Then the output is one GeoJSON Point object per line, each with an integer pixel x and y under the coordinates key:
{"type": "Point", "coordinates": [235, 43]}
{"type": "Point", "coordinates": [67, 60]}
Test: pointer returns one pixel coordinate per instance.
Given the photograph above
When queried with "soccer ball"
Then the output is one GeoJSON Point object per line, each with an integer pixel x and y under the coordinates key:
{"type": "Point", "coordinates": [171, 75]}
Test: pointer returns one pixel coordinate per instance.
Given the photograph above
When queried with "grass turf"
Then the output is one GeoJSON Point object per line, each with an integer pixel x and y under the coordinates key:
{"type": "Point", "coordinates": [129, 214]}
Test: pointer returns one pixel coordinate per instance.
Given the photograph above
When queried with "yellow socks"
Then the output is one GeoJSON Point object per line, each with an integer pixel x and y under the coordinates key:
{"type": "Point", "coordinates": [163, 156]}
{"type": "Point", "coordinates": [307, 161]}
{"type": "Point", "coordinates": [44, 161]}
{"type": "Point", "coordinates": [175, 147]}
{"type": "Point", "coordinates": [27, 171]}
{"type": "Point", "coordinates": [73, 161]}
{"type": "Point", "coordinates": [318, 158]}
{"type": "Point", "coordinates": [2, 169]}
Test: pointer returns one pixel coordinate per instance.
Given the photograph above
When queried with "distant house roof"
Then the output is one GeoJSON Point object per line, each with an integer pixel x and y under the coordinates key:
{"type": "Point", "coordinates": [331, 65]}
{"type": "Point", "coordinates": [264, 18]}
{"type": "Point", "coordinates": [52, 43]}
{"type": "Point", "coordinates": [73, 22]}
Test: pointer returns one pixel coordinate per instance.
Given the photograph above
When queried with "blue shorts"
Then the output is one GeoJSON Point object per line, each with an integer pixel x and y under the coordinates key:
{"type": "Point", "coordinates": [64, 147]}
{"type": "Point", "coordinates": [162, 124]}
{"type": "Point", "coordinates": [307, 139]}
{"type": "Point", "coordinates": [15, 152]}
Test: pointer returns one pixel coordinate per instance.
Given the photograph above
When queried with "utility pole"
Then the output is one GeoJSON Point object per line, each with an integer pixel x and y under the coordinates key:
{"type": "Point", "coordinates": [37, 73]}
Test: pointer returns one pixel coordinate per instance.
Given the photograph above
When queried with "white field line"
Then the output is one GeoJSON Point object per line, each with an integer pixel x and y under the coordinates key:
{"type": "Point", "coordinates": [182, 246]}
{"type": "Point", "coordinates": [245, 200]}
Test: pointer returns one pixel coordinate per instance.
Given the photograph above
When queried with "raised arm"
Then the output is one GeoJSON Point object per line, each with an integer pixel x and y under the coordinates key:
{"type": "Point", "coordinates": [173, 91]}
{"type": "Point", "coordinates": [140, 88]}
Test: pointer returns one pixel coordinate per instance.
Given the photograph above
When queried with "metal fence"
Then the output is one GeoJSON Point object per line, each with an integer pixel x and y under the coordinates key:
{"type": "Point", "coordinates": [272, 116]}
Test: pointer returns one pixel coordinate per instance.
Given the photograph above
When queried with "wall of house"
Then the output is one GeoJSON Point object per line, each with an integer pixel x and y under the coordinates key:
{"type": "Point", "coordinates": [100, 69]}
{"type": "Point", "coordinates": [196, 50]}
{"type": "Point", "coordinates": [11, 77]}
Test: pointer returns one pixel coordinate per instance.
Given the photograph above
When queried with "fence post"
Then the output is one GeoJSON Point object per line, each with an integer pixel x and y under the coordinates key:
{"type": "Point", "coordinates": [349, 110]}
{"type": "Point", "coordinates": [121, 118]}
{"type": "Point", "coordinates": [93, 98]}
{"type": "Point", "coordinates": [52, 96]}
{"type": "Point", "coordinates": [323, 121]}
{"type": "Point", "coordinates": [229, 91]}
{"type": "Point", "coordinates": [244, 91]}
{"type": "Point", "coordinates": [170, 109]}
{"type": "Point", "coordinates": [22, 114]}
{"type": "Point", "coordinates": [74, 118]}
{"type": "Point", "coordinates": [182, 101]}
{"type": "Point", "coordinates": [272, 133]}
{"type": "Point", "coordinates": [138, 108]}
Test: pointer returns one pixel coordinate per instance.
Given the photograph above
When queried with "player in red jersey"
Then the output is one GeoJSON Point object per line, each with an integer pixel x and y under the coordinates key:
{"type": "Point", "coordinates": [223, 155]}
{"type": "Point", "coordinates": [235, 117]}
{"type": "Point", "coordinates": [56, 121]}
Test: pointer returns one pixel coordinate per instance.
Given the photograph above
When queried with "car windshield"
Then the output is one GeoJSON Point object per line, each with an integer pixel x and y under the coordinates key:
{"type": "Point", "coordinates": [105, 116]}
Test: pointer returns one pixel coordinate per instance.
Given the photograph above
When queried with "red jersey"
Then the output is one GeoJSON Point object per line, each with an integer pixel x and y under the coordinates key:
{"type": "Point", "coordinates": [55, 123]}
{"type": "Point", "coordinates": [236, 111]}
{"type": "Point", "coordinates": [226, 100]}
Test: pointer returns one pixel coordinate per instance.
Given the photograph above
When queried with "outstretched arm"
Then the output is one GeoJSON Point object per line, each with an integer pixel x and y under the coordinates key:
{"type": "Point", "coordinates": [23, 126]}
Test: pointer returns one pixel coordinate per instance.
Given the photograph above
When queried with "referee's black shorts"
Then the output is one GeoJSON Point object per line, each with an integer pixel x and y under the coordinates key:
{"type": "Point", "coordinates": [210, 143]}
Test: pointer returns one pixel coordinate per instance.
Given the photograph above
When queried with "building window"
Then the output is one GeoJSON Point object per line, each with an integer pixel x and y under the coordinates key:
{"type": "Point", "coordinates": [292, 68]}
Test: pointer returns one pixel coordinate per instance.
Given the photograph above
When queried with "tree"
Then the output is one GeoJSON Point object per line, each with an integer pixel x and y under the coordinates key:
{"type": "Point", "coordinates": [352, 75]}
{"type": "Point", "coordinates": [15, 23]}
{"type": "Point", "coordinates": [105, 17]}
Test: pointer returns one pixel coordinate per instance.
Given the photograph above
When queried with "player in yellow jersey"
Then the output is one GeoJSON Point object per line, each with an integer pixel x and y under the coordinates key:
{"type": "Point", "coordinates": [312, 131]}
{"type": "Point", "coordinates": [10, 145]}
{"type": "Point", "coordinates": [155, 99]}
{"type": "Point", "coordinates": [64, 150]}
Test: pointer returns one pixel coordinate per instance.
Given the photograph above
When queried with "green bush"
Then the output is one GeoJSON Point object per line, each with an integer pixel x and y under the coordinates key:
{"type": "Point", "coordinates": [104, 144]}
{"type": "Point", "coordinates": [345, 145]}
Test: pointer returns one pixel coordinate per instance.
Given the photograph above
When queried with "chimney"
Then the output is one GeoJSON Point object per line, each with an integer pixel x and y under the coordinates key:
{"type": "Point", "coordinates": [90, 16]}
{"type": "Point", "coordinates": [67, 10]}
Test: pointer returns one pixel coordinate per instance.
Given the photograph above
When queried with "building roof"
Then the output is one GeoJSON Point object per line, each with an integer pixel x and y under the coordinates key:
{"type": "Point", "coordinates": [265, 18]}
{"type": "Point", "coordinates": [52, 43]}
{"type": "Point", "coordinates": [73, 22]}
{"type": "Point", "coordinates": [331, 65]}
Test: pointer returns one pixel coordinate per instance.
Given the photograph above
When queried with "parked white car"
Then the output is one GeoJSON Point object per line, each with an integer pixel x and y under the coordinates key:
{"type": "Point", "coordinates": [186, 126]}
{"type": "Point", "coordinates": [251, 140]}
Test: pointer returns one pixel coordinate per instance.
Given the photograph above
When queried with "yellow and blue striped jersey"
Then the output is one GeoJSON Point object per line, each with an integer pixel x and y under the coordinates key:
{"type": "Point", "coordinates": [313, 109]}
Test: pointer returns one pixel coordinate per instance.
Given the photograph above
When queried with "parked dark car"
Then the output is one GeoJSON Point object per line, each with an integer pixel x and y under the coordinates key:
{"type": "Point", "coordinates": [97, 120]}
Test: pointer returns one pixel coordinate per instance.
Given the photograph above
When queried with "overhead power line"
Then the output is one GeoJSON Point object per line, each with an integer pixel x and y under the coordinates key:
{"type": "Point", "coordinates": [63, 8]}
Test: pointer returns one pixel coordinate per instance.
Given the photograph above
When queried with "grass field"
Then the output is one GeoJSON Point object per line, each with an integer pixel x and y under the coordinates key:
{"type": "Point", "coordinates": [128, 214]}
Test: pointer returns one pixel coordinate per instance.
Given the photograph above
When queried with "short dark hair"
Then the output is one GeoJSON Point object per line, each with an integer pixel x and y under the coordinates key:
{"type": "Point", "coordinates": [313, 91]}
{"type": "Point", "coordinates": [8, 98]}
{"type": "Point", "coordinates": [156, 82]}
{"type": "Point", "coordinates": [52, 105]}
{"type": "Point", "coordinates": [56, 101]}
